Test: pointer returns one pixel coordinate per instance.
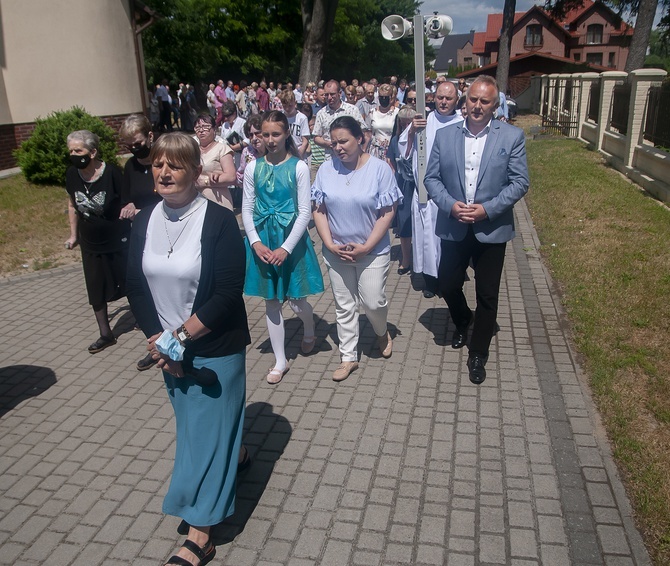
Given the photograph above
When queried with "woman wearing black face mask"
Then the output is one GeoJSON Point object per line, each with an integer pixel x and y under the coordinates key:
{"type": "Point", "coordinates": [382, 121]}
{"type": "Point", "coordinates": [94, 208]}
{"type": "Point", "coordinates": [138, 182]}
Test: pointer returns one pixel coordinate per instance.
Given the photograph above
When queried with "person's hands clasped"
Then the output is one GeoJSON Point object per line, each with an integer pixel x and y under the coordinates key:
{"type": "Point", "coordinates": [271, 257]}
{"type": "Point", "coordinates": [349, 252]}
{"type": "Point", "coordinates": [128, 212]}
{"type": "Point", "coordinates": [215, 176]}
{"type": "Point", "coordinates": [164, 362]}
{"type": "Point", "coordinates": [278, 257]}
{"type": "Point", "coordinates": [468, 213]}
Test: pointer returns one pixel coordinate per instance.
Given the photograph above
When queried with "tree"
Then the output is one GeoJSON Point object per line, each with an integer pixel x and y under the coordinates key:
{"type": "Point", "coordinates": [644, 12]}
{"type": "Point", "coordinates": [318, 18]}
{"type": "Point", "coordinates": [502, 72]}
{"type": "Point", "coordinates": [210, 39]}
{"type": "Point", "coordinates": [357, 48]}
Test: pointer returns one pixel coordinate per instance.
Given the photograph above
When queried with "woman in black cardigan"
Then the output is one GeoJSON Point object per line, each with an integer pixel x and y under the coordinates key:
{"type": "Point", "coordinates": [184, 283]}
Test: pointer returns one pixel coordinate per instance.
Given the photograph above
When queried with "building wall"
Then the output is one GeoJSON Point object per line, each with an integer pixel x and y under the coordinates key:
{"type": "Point", "coordinates": [55, 54]}
{"type": "Point", "coordinates": [464, 53]}
{"type": "Point", "coordinates": [553, 42]}
{"type": "Point", "coordinates": [581, 48]}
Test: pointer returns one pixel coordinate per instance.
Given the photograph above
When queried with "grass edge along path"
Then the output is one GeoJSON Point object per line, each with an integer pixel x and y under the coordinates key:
{"type": "Point", "coordinates": [607, 245]}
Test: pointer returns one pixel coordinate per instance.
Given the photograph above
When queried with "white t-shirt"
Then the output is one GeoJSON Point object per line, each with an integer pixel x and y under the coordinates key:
{"type": "Point", "coordinates": [299, 126]}
{"type": "Point", "coordinates": [353, 199]}
{"type": "Point", "coordinates": [173, 279]}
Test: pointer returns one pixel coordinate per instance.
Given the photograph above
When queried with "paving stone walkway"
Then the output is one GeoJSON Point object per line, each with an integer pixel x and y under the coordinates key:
{"type": "Point", "coordinates": [406, 462]}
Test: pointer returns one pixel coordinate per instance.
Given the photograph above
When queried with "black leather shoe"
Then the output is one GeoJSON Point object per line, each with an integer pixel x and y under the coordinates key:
{"type": "Point", "coordinates": [460, 337]}
{"type": "Point", "coordinates": [477, 369]}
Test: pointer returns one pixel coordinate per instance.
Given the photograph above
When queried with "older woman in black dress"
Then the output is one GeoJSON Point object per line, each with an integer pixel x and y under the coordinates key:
{"type": "Point", "coordinates": [94, 209]}
{"type": "Point", "coordinates": [185, 279]}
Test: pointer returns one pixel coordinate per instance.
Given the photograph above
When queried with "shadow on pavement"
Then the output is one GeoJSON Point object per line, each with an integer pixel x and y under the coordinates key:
{"type": "Point", "coordinates": [124, 323]}
{"type": "Point", "coordinates": [266, 435]}
{"type": "Point", "coordinates": [293, 330]}
{"type": "Point", "coordinates": [438, 321]}
{"type": "Point", "coordinates": [21, 382]}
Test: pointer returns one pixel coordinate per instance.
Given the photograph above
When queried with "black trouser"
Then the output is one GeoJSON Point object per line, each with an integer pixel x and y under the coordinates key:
{"type": "Point", "coordinates": [488, 260]}
{"type": "Point", "coordinates": [166, 114]}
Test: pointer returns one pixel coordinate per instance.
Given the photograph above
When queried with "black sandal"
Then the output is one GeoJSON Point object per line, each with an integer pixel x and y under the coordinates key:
{"type": "Point", "coordinates": [100, 344]}
{"type": "Point", "coordinates": [204, 555]}
{"type": "Point", "coordinates": [245, 464]}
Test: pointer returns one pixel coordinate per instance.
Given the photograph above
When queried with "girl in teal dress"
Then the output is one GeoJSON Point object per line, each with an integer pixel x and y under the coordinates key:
{"type": "Point", "coordinates": [281, 263]}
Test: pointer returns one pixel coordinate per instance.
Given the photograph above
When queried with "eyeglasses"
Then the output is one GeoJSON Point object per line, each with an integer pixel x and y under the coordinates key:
{"type": "Point", "coordinates": [256, 134]}
{"type": "Point", "coordinates": [203, 129]}
{"type": "Point", "coordinates": [411, 99]}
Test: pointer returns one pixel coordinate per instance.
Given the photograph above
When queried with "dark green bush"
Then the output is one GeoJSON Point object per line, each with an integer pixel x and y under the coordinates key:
{"type": "Point", "coordinates": [43, 157]}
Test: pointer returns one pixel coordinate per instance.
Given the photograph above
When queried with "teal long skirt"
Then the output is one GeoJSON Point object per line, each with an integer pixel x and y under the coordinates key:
{"type": "Point", "coordinates": [209, 421]}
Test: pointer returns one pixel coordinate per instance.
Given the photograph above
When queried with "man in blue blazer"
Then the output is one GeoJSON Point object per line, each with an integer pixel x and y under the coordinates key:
{"type": "Point", "coordinates": [476, 172]}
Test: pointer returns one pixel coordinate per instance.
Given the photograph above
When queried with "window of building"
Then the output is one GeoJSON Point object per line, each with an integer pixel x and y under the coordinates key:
{"type": "Point", "coordinates": [467, 60]}
{"type": "Point", "coordinates": [610, 61]}
{"type": "Point", "coordinates": [594, 33]}
{"type": "Point", "coordinates": [534, 34]}
{"type": "Point", "coordinates": [594, 58]}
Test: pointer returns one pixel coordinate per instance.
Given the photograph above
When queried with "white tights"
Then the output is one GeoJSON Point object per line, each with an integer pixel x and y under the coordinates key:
{"type": "Point", "coordinates": [275, 320]}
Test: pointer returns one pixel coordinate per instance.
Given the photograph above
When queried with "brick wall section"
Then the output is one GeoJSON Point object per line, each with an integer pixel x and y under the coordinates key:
{"type": "Point", "coordinates": [12, 135]}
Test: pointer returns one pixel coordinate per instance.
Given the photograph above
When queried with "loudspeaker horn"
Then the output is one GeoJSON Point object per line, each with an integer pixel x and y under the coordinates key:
{"type": "Point", "coordinates": [395, 27]}
{"type": "Point", "coordinates": [438, 26]}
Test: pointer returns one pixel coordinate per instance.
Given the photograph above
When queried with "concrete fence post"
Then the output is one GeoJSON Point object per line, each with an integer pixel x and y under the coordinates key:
{"type": "Point", "coordinates": [585, 81]}
{"type": "Point", "coordinates": [608, 80]}
{"type": "Point", "coordinates": [640, 82]}
{"type": "Point", "coordinates": [544, 89]}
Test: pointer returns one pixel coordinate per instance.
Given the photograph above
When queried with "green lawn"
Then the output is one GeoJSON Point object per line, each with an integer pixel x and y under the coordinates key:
{"type": "Point", "coordinates": [33, 226]}
{"type": "Point", "coordinates": [608, 247]}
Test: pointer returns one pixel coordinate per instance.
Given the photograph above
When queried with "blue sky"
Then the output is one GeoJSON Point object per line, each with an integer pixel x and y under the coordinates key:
{"type": "Point", "coordinates": [469, 15]}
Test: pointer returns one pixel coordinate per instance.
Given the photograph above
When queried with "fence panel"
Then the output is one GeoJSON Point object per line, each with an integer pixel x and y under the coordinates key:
{"type": "Point", "coordinates": [594, 101]}
{"type": "Point", "coordinates": [620, 107]}
{"type": "Point", "coordinates": [560, 114]}
{"type": "Point", "coordinates": [657, 123]}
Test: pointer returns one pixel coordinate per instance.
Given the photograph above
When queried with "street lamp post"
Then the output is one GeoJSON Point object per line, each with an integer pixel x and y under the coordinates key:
{"type": "Point", "coordinates": [436, 26]}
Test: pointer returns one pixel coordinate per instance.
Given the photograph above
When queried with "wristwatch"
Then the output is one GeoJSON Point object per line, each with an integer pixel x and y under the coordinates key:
{"type": "Point", "coordinates": [183, 335]}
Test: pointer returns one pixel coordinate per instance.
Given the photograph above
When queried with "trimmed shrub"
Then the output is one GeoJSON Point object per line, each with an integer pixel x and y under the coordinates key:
{"type": "Point", "coordinates": [44, 157]}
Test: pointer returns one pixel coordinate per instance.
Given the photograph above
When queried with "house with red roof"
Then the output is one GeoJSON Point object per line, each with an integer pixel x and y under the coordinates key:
{"type": "Point", "coordinates": [589, 38]}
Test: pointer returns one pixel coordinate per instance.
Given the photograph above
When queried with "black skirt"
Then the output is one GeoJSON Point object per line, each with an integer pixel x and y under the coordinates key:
{"type": "Point", "coordinates": [105, 276]}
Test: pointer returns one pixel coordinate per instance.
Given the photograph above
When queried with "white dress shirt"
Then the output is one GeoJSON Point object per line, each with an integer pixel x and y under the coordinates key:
{"type": "Point", "coordinates": [474, 148]}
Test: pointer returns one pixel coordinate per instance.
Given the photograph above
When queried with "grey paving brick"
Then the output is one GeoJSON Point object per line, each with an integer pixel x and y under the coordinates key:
{"type": "Point", "coordinates": [404, 463]}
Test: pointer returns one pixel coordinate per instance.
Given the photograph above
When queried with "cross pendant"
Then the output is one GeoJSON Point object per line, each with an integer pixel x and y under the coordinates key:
{"type": "Point", "coordinates": [169, 252]}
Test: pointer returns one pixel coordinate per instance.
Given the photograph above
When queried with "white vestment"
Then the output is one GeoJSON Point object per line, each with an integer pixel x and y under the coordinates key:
{"type": "Point", "coordinates": [425, 244]}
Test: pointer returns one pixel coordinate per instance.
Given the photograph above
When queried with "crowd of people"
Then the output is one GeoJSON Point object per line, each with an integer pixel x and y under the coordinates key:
{"type": "Point", "coordinates": [164, 233]}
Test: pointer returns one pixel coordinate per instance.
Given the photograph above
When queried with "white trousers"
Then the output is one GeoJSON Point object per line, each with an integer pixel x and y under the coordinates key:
{"type": "Point", "coordinates": [354, 284]}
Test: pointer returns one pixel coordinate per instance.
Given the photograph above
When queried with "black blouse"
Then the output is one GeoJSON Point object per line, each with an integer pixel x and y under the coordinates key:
{"type": "Point", "coordinates": [98, 205]}
{"type": "Point", "coordinates": [138, 185]}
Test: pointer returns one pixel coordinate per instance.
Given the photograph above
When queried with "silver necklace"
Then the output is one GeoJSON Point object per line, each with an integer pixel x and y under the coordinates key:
{"type": "Point", "coordinates": [350, 176]}
{"type": "Point", "coordinates": [187, 216]}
